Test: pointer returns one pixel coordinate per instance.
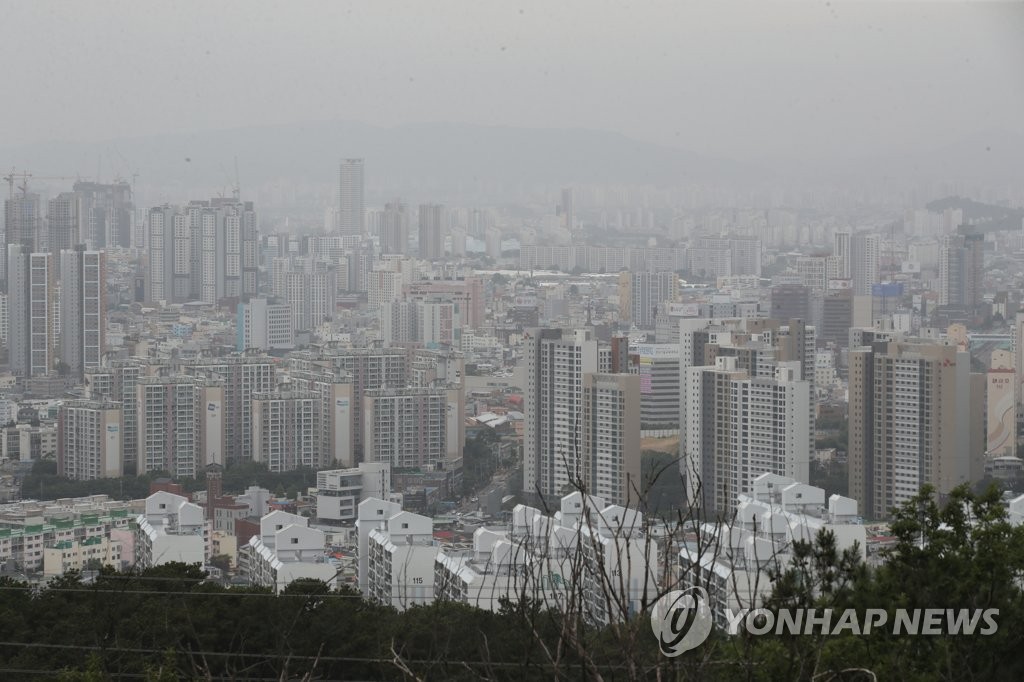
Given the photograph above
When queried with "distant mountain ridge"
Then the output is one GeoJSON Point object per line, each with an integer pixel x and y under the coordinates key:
{"type": "Point", "coordinates": [419, 154]}
{"type": "Point", "coordinates": [490, 160]}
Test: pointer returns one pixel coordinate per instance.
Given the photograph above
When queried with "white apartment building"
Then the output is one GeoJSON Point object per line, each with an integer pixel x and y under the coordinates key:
{"type": "Point", "coordinates": [588, 547]}
{"type": "Point", "coordinates": [339, 491]}
{"type": "Point", "coordinates": [400, 561]}
{"type": "Point", "coordinates": [172, 529]}
{"type": "Point", "coordinates": [732, 561]}
{"type": "Point", "coordinates": [611, 436]}
{"type": "Point", "coordinates": [287, 549]}
{"type": "Point", "coordinates": [89, 440]}
{"type": "Point", "coordinates": [372, 515]}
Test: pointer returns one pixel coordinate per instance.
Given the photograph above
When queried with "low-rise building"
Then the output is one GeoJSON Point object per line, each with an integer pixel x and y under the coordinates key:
{"type": "Point", "coordinates": [339, 491]}
{"type": "Point", "coordinates": [400, 561]}
{"type": "Point", "coordinates": [733, 561]}
{"type": "Point", "coordinates": [78, 555]}
{"type": "Point", "coordinates": [287, 549]}
{"type": "Point", "coordinates": [172, 529]}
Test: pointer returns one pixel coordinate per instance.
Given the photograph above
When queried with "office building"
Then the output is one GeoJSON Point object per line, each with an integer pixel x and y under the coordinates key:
{"type": "Point", "coordinates": [961, 267]}
{"type": "Point", "coordinates": [658, 368]}
{"type": "Point", "coordinates": [351, 197]}
{"type": "Point", "coordinates": [263, 325]}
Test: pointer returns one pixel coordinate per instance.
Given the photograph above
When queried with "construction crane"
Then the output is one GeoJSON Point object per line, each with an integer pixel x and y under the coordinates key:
{"type": "Point", "coordinates": [24, 175]}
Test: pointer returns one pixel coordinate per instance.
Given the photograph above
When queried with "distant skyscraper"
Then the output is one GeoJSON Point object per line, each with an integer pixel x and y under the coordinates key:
{"type": "Point", "coordinates": [567, 209]}
{"type": "Point", "coordinates": [642, 293]}
{"type": "Point", "coordinates": [864, 259]}
{"type": "Point", "coordinates": [169, 272]}
{"type": "Point", "coordinates": [31, 293]}
{"type": "Point", "coordinates": [431, 243]}
{"type": "Point", "coordinates": [106, 211]}
{"type": "Point", "coordinates": [841, 252]}
{"type": "Point", "coordinates": [21, 221]}
{"type": "Point", "coordinates": [63, 218]}
{"type": "Point", "coordinates": [351, 197]}
{"type": "Point", "coordinates": [961, 263]}
{"type": "Point", "coordinates": [394, 229]}
{"type": "Point", "coordinates": [82, 308]}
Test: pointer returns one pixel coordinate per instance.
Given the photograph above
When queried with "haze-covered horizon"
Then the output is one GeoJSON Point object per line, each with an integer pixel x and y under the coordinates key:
{"type": "Point", "coordinates": [778, 83]}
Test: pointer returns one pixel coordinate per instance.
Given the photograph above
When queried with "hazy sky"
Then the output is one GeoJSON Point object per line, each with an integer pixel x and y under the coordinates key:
{"type": "Point", "coordinates": [738, 79]}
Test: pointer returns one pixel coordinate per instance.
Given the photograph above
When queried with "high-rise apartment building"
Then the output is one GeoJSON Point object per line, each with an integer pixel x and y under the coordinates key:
{"type": "Point", "coordinates": [31, 283]}
{"type": "Point", "coordinates": [311, 292]}
{"type": "Point", "coordinates": [286, 430]}
{"type": "Point", "coordinates": [116, 382]}
{"type": "Point", "coordinates": [556, 362]}
{"type": "Point", "coordinates": [641, 295]}
{"type": "Point", "coordinates": [351, 197]}
{"type": "Point", "coordinates": [169, 273]}
{"type": "Point", "coordinates": [180, 424]}
{"type": "Point", "coordinates": [611, 437]}
{"type": "Point", "coordinates": [83, 308]}
{"type": "Point", "coordinates": [89, 440]}
{"type": "Point", "coordinates": [204, 251]}
{"type": "Point", "coordinates": [366, 369]}
{"type": "Point", "coordinates": [335, 408]}
{"type": "Point", "coordinates": [841, 252]}
{"type": "Point", "coordinates": [740, 426]}
{"type": "Point", "coordinates": [916, 418]}
{"type": "Point", "coordinates": [414, 427]}
{"type": "Point", "coordinates": [242, 377]}
{"type": "Point", "coordinates": [431, 232]}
